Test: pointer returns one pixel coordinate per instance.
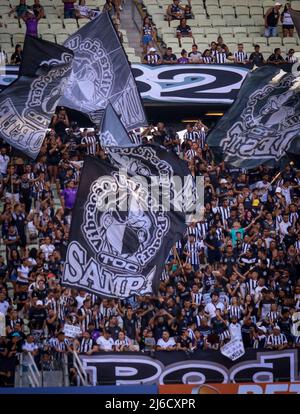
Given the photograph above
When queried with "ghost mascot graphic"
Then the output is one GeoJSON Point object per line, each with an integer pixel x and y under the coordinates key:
{"type": "Point", "coordinates": [269, 123]}
{"type": "Point", "coordinates": [118, 257]}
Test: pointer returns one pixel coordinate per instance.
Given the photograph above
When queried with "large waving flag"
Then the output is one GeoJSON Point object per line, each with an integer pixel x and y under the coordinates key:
{"type": "Point", "coordinates": [27, 105]}
{"type": "Point", "coordinates": [295, 14]}
{"type": "Point", "coordinates": [113, 132]}
{"type": "Point", "coordinates": [122, 231]}
{"type": "Point", "coordinates": [101, 74]}
{"type": "Point", "coordinates": [263, 122]}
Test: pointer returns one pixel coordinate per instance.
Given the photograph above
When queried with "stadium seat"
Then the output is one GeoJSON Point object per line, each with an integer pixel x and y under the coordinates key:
{"type": "Point", "coordinates": [247, 21]}
{"type": "Point", "coordinates": [61, 38]}
{"type": "Point", "coordinates": [226, 31]}
{"type": "Point", "coordinates": [256, 11]}
{"type": "Point", "coordinates": [211, 3]}
{"type": "Point", "coordinates": [228, 11]}
{"type": "Point", "coordinates": [211, 30]}
{"type": "Point", "coordinates": [212, 38]}
{"type": "Point", "coordinates": [214, 11]}
{"type": "Point", "coordinates": [50, 37]}
{"type": "Point", "coordinates": [17, 38]}
{"type": "Point", "coordinates": [260, 40]}
{"type": "Point", "coordinates": [291, 41]}
{"type": "Point", "coordinates": [240, 31]}
{"type": "Point", "coordinates": [219, 23]}
{"type": "Point", "coordinates": [275, 41]}
{"type": "Point", "coordinates": [242, 39]}
{"type": "Point", "coordinates": [254, 31]}
{"type": "Point", "coordinates": [5, 38]}
{"type": "Point", "coordinates": [241, 11]}
{"type": "Point", "coordinates": [232, 22]}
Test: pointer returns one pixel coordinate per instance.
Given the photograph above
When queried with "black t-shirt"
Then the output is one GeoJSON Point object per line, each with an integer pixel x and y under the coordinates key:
{"type": "Point", "coordinates": [256, 58]}
{"type": "Point", "coordinates": [114, 331]}
{"type": "Point", "coordinates": [37, 317]}
{"type": "Point", "coordinates": [184, 342]}
{"type": "Point", "coordinates": [170, 58]}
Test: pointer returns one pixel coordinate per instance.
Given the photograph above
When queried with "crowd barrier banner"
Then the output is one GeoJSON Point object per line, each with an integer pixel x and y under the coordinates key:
{"type": "Point", "coordinates": [245, 388]}
{"type": "Point", "coordinates": [176, 367]}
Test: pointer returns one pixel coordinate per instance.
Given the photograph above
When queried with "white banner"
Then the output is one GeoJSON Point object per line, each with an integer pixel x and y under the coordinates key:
{"type": "Point", "coordinates": [72, 331]}
{"type": "Point", "coordinates": [233, 349]}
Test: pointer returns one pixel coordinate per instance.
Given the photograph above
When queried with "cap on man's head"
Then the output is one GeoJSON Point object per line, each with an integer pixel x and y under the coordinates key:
{"type": "Point", "coordinates": [278, 3]}
{"type": "Point", "coordinates": [277, 328]}
{"type": "Point", "coordinates": [39, 302]}
{"type": "Point", "coordinates": [152, 49]}
{"type": "Point", "coordinates": [223, 181]}
{"type": "Point", "coordinates": [262, 328]}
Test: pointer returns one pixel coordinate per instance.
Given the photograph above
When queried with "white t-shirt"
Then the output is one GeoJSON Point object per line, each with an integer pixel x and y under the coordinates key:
{"type": "Point", "coordinates": [211, 308]}
{"type": "Point", "coordinates": [47, 249]}
{"type": "Point", "coordinates": [3, 307]}
{"type": "Point", "coordinates": [235, 330]}
{"type": "Point", "coordinates": [29, 348]}
{"type": "Point", "coordinates": [24, 270]}
{"type": "Point", "coordinates": [163, 344]}
{"type": "Point", "coordinates": [105, 344]}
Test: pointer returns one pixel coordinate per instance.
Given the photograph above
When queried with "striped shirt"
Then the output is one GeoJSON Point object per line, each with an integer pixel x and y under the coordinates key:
{"type": "Point", "coordinates": [207, 59]}
{"type": "Point", "coordinates": [193, 249]}
{"type": "Point", "coordinates": [220, 57]}
{"type": "Point", "coordinates": [240, 56]}
{"type": "Point", "coordinates": [61, 345]}
{"type": "Point", "coordinates": [120, 342]}
{"type": "Point", "coordinates": [191, 136]}
{"type": "Point", "coordinates": [196, 298]}
{"type": "Point", "coordinates": [273, 316]}
{"type": "Point", "coordinates": [87, 313]}
{"type": "Point", "coordinates": [235, 310]}
{"type": "Point", "coordinates": [190, 154]}
{"type": "Point", "coordinates": [251, 285]}
{"type": "Point", "coordinates": [86, 345]}
{"type": "Point", "coordinates": [224, 212]}
{"type": "Point", "coordinates": [92, 144]}
{"type": "Point", "coordinates": [275, 340]}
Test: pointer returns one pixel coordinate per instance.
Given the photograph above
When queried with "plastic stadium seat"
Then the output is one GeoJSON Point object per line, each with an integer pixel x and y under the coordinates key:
{"type": "Point", "coordinates": [5, 38]}
{"type": "Point", "coordinates": [268, 3]}
{"type": "Point", "coordinates": [170, 30]}
{"type": "Point", "coordinates": [232, 22]}
{"type": "Point", "coordinates": [49, 36]}
{"type": "Point", "coordinates": [241, 11]}
{"type": "Point", "coordinates": [17, 38]}
{"type": "Point", "coordinates": [61, 38]}
{"type": "Point", "coordinates": [254, 31]}
{"type": "Point", "coordinates": [226, 31]}
{"type": "Point", "coordinates": [204, 22]}
{"type": "Point", "coordinates": [212, 38]}
{"type": "Point", "coordinates": [211, 30]}
{"type": "Point", "coordinates": [256, 11]}
{"type": "Point", "coordinates": [135, 59]}
{"type": "Point", "coordinates": [202, 46]}
{"type": "Point", "coordinates": [231, 47]}
{"type": "Point", "coordinates": [275, 41]}
{"type": "Point", "coordinates": [219, 23]}
{"type": "Point", "coordinates": [57, 27]}
{"type": "Point", "coordinates": [247, 21]}
{"type": "Point", "coordinates": [289, 41]}
{"type": "Point", "coordinates": [260, 40]}
{"type": "Point", "coordinates": [214, 11]}
{"type": "Point", "coordinates": [199, 30]}
{"type": "Point", "coordinates": [240, 31]}
{"type": "Point", "coordinates": [228, 11]}
{"type": "Point", "coordinates": [238, 3]}
{"type": "Point", "coordinates": [254, 3]}
{"type": "Point", "coordinates": [242, 39]}
{"type": "Point", "coordinates": [211, 3]}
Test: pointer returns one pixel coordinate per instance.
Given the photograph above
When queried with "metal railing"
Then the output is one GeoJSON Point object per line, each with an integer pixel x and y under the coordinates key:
{"type": "Point", "coordinates": [81, 372]}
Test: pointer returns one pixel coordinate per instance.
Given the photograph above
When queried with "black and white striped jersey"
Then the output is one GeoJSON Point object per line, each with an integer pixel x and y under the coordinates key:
{"type": "Point", "coordinates": [191, 136]}
{"type": "Point", "coordinates": [92, 144]}
{"type": "Point", "coordinates": [235, 310]}
{"type": "Point", "coordinates": [85, 345]}
{"type": "Point", "coordinates": [276, 340]}
{"type": "Point", "coordinates": [193, 249]}
{"type": "Point", "coordinates": [240, 56]}
{"type": "Point", "coordinates": [220, 57]}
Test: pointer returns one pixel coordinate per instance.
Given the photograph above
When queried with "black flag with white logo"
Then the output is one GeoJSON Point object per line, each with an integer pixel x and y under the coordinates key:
{"type": "Point", "coordinates": [101, 73]}
{"type": "Point", "coordinates": [262, 123]}
{"type": "Point", "coordinates": [125, 221]}
{"type": "Point", "coordinates": [27, 105]}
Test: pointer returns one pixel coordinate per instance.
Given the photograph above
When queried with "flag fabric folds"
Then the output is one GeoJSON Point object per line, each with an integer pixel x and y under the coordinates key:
{"type": "Point", "coordinates": [262, 123]}
{"type": "Point", "coordinates": [121, 231]}
{"type": "Point", "coordinates": [101, 73]}
{"type": "Point", "coordinates": [295, 14]}
{"type": "Point", "coordinates": [113, 132]}
{"type": "Point", "coordinates": [27, 105]}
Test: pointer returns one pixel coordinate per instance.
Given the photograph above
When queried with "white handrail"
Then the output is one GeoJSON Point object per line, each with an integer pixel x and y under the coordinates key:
{"type": "Point", "coordinates": [35, 374]}
{"type": "Point", "coordinates": [81, 371]}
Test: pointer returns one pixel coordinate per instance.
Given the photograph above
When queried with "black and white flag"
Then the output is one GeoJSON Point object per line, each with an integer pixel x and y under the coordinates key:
{"type": "Point", "coordinates": [125, 221]}
{"type": "Point", "coordinates": [295, 14]}
{"type": "Point", "coordinates": [113, 132]}
{"type": "Point", "coordinates": [101, 73]}
{"type": "Point", "coordinates": [27, 104]}
{"type": "Point", "coordinates": [262, 123]}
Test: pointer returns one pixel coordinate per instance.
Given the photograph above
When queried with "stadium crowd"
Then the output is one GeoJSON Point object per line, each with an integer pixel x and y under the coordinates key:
{"type": "Point", "coordinates": [234, 274]}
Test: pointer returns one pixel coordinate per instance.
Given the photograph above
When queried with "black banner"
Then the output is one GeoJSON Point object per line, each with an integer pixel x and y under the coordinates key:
{"type": "Point", "coordinates": [101, 74]}
{"type": "Point", "coordinates": [27, 105]}
{"type": "Point", "coordinates": [121, 231]}
{"type": "Point", "coordinates": [176, 367]}
{"type": "Point", "coordinates": [263, 121]}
